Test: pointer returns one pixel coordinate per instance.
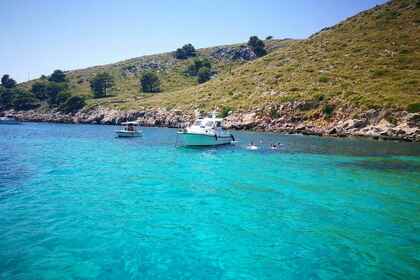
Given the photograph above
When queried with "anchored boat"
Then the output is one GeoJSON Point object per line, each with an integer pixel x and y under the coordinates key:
{"type": "Point", "coordinates": [129, 129]}
{"type": "Point", "coordinates": [205, 132]}
{"type": "Point", "coordinates": [8, 120]}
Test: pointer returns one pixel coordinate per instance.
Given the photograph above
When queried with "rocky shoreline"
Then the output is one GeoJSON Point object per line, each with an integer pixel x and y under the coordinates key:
{"type": "Point", "coordinates": [377, 124]}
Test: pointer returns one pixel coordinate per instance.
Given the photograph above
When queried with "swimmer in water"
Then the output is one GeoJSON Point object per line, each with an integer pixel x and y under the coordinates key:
{"type": "Point", "coordinates": [252, 146]}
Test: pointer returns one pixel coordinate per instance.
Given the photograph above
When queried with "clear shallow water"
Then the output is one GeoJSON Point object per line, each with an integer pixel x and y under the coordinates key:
{"type": "Point", "coordinates": [77, 203]}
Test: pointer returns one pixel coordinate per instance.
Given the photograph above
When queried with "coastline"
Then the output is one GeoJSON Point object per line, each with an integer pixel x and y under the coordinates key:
{"type": "Point", "coordinates": [372, 123]}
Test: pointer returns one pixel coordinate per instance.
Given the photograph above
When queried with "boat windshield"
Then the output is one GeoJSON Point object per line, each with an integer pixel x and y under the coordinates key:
{"type": "Point", "coordinates": [130, 127]}
{"type": "Point", "coordinates": [209, 124]}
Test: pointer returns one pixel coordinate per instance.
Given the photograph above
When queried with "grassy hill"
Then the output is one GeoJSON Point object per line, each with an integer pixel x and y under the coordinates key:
{"type": "Point", "coordinates": [171, 71]}
{"type": "Point", "coordinates": [371, 60]}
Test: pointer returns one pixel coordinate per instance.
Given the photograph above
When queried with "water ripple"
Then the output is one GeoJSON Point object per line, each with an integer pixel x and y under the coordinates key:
{"type": "Point", "coordinates": [76, 203]}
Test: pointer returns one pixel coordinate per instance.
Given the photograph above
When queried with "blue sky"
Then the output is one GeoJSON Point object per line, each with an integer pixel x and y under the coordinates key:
{"type": "Point", "coordinates": [40, 36]}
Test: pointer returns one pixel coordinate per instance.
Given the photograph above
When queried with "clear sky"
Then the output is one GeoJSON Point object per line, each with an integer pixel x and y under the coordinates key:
{"type": "Point", "coordinates": [40, 36]}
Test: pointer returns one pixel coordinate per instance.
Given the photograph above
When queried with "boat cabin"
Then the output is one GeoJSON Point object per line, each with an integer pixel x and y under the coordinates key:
{"type": "Point", "coordinates": [129, 129]}
{"type": "Point", "coordinates": [208, 123]}
{"type": "Point", "coordinates": [130, 126]}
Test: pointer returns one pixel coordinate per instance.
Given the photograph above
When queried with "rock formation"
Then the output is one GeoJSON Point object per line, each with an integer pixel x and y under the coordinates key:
{"type": "Point", "coordinates": [373, 123]}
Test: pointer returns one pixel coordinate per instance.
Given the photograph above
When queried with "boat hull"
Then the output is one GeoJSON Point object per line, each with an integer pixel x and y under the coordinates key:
{"type": "Point", "coordinates": [9, 122]}
{"type": "Point", "coordinates": [123, 133]}
{"type": "Point", "coordinates": [192, 139]}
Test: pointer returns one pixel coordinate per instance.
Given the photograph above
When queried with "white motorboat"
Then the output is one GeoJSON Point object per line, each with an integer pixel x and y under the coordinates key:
{"type": "Point", "coordinates": [129, 129]}
{"type": "Point", "coordinates": [8, 120]}
{"type": "Point", "coordinates": [205, 132]}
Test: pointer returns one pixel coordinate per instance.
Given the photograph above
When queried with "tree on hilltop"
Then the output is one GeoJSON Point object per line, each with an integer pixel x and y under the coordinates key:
{"type": "Point", "coordinates": [57, 76]}
{"type": "Point", "coordinates": [7, 82]}
{"type": "Point", "coordinates": [185, 52]}
{"type": "Point", "coordinates": [257, 46]}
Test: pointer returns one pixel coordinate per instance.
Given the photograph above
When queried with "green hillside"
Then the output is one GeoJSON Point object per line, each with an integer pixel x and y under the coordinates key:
{"type": "Point", "coordinates": [371, 60]}
{"type": "Point", "coordinates": [171, 71]}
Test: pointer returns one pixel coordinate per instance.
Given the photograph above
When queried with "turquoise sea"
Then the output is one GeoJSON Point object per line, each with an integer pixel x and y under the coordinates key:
{"type": "Point", "coordinates": [78, 203]}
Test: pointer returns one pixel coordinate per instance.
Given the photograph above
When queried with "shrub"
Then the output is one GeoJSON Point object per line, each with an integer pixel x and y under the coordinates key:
{"type": "Point", "coordinates": [324, 79]}
{"type": "Point", "coordinates": [388, 14]}
{"type": "Point", "coordinates": [404, 51]}
{"type": "Point", "coordinates": [189, 50]}
{"type": "Point", "coordinates": [203, 75]}
{"type": "Point", "coordinates": [259, 52]}
{"type": "Point", "coordinates": [319, 97]}
{"type": "Point", "coordinates": [150, 82]}
{"type": "Point", "coordinates": [101, 83]}
{"type": "Point", "coordinates": [40, 90]}
{"type": "Point", "coordinates": [8, 82]}
{"type": "Point", "coordinates": [357, 49]}
{"type": "Point", "coordinates": [6, 97]}
{"type": "Point", "coordinates": [225, 111]}
{"type": "Point", "coordinates": [185, 52]}
{"type": "Point", "coordinates": [195, 66]}
{"type": "Point", "coordinates": [180, 54]}
{"type": "Point", "coordinates": [254, 42]}
{"type": "Point", "coordinates": [413, 108]}
{"type": "Point", "coordinates": [328, 110]}
{"type": "Point", "coordinates": [274, 113]}
{"type": "Point", "coordinates": [73, 104]}
{"type": "Point", "coordinates": [57, 76]}
{"type": "Point", "coordinates": [405, 59]}
{"type": "Point", "coordinates": [269, 37]}
{"type": "Point", "coordinates": [404, 4]}
{"type": "Point", "coordinates": [257, 46]}
{"type": "Point", "coordinates": [53, 90]}
{"type": "Point", "coordinates": [62, 97]}
{"type": "Point", "coordinates": [376, 73]}
{"type": "Point", "coordinates": [24, 100]}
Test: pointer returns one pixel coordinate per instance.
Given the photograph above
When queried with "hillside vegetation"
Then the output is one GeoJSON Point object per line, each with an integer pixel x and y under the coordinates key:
{"type": "Point", "coordinates": [126, 92]}
{"type": "Point", "coordinates": [371, 60]}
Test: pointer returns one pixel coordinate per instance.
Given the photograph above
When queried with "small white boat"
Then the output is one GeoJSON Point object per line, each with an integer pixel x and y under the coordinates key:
{"type": "Point", "coordinates": [8, 120]}
{"type": "Point", "coordinates": [205, 132]}
{"type": "Point", "coordinates": [129, 129]}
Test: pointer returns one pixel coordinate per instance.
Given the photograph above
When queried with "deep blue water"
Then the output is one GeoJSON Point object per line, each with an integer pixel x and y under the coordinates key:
{"type": "Point", "coordinates": [77, 203]}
